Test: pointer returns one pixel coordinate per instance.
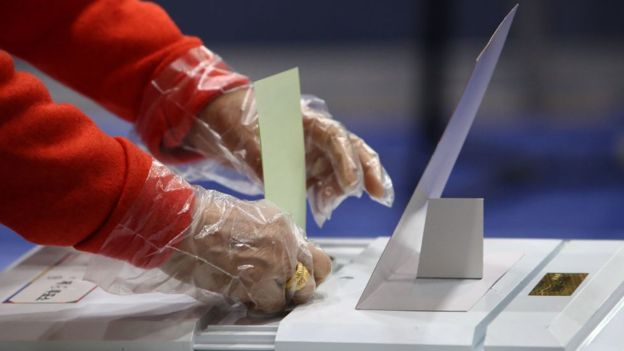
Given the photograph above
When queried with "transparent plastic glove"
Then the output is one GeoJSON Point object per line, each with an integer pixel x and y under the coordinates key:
{"type": "Point", "coordinates": [224, 133]}
{"type": "Point", "coordinates": [339, 164]}
{"type": "Point", "coordinates": [248, 251]}
{"type": "Point", "coordinates": [171, 106]}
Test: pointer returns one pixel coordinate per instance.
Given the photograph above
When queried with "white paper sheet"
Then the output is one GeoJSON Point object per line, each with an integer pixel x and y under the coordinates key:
{"type": "Point", "coordinates": [401, 255]}
{"type": "Point", "coordinates": [59, 283]}
{"type": "Point", "coordinates": [452, 244]}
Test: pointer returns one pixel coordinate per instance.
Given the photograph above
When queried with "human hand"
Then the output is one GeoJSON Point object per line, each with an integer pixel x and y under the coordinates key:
{"type": "Point", "coordinates": [248, 251]}
{"type": "Point", "coordinates": [338, 163]}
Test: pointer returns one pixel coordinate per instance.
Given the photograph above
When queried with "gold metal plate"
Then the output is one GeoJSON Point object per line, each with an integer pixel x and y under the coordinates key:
{"type": "Point", "coordinates": [558, 284]}
{"type": "Point", "coordinates": [299, 280]}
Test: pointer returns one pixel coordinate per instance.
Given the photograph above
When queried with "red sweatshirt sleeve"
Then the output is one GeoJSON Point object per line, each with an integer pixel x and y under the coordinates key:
{"type": "Point", "coordinates": [109, 50]}
{"type": "Point", "coordinates": [62, 181]}
{"type": "Point", "coordinates": [65, 182]}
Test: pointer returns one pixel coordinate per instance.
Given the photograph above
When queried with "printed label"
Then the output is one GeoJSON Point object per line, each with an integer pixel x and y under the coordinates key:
{"type": "Point", "coordinates": [59, 283]}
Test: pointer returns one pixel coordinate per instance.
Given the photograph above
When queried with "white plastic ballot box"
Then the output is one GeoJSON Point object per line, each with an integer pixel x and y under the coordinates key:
{"type": "Point", "coordinates": [587, 316]}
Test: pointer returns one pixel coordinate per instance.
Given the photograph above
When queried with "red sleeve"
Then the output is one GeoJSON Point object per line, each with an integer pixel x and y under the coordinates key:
{"type": "Point", "coordinates": [62, 180]}
{"type": "Point", "coordinates": [109, 50]}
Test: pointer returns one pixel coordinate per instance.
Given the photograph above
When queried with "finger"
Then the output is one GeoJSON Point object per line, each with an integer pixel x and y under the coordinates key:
{"type": "Point", "coordinates": [331, 137]}
{"type": "Point", "coordinates": [304, 293]}
{"type": "Point", "coordinates": [316, 163]}
{"type": "Point", "coordinates": [317, 166]}
{"type": "Point", "coordinates": [325, 195]}
{"type": "Point", "coordinates": [322, 263]}
{"type": "Point", "coordinates": [374, 174]}
{"type": "Point", "coordinates": [304, 256]}
{"type": "Point", "coordinates": [268, 296]}
{"type": "Point", "coordinates": [261, 281]}
{"type": "Point", "coordinates": [300, 287]}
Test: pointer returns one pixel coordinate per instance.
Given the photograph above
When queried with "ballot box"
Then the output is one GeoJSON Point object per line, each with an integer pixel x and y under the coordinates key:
{"type": "Point", "coordinates": [560, 295]}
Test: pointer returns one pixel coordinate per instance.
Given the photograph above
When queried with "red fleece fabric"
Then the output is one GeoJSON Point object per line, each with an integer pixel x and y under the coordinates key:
{"type": "Point", "coordinates": [177, 95]}
{"type": "Point", "coordinates": [62, 180]}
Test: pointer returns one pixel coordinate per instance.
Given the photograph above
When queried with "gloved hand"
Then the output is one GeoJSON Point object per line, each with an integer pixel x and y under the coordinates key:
{"type": "Point", "coordinates": [339, 164]}
{"type": "Point", "coordinates": [249, 251]}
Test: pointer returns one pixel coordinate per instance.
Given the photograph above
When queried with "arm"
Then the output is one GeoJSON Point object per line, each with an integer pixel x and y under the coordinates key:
{"type": "Point", "coordinates": [131, 58]}
{"type": "Point", "coordinates": [110, 51]}
{"type": "Point", "coordinates": [65, 182]}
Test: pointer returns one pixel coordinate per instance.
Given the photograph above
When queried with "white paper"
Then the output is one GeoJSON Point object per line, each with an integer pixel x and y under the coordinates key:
{"type": "Point", "coordinates": [401, 255]}
{"type": "Point", "coordinates": [59, 283]}
{"type": "Point", "coordinates": [452, 244]}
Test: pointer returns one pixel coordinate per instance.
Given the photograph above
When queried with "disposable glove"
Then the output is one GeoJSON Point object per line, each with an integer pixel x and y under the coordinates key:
{"type": "Point", "coordinates": [248, 251]}
{"type": "Point", "coordinates": [339, 164]}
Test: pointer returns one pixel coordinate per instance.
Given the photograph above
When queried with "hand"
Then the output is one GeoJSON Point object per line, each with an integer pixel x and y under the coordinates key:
{"type": "Point", "coordinates": [247, 251]}
{"type": "Point", "coordinates": [338, 163]}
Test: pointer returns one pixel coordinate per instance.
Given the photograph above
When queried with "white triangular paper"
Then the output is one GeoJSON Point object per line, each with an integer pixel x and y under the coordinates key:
{"type": "Point", "coordinates": [400, 259]}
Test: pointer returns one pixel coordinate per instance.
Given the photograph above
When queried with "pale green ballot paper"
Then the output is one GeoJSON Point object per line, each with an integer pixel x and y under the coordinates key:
{"type": "Point", "coordinates": [281, 139]}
